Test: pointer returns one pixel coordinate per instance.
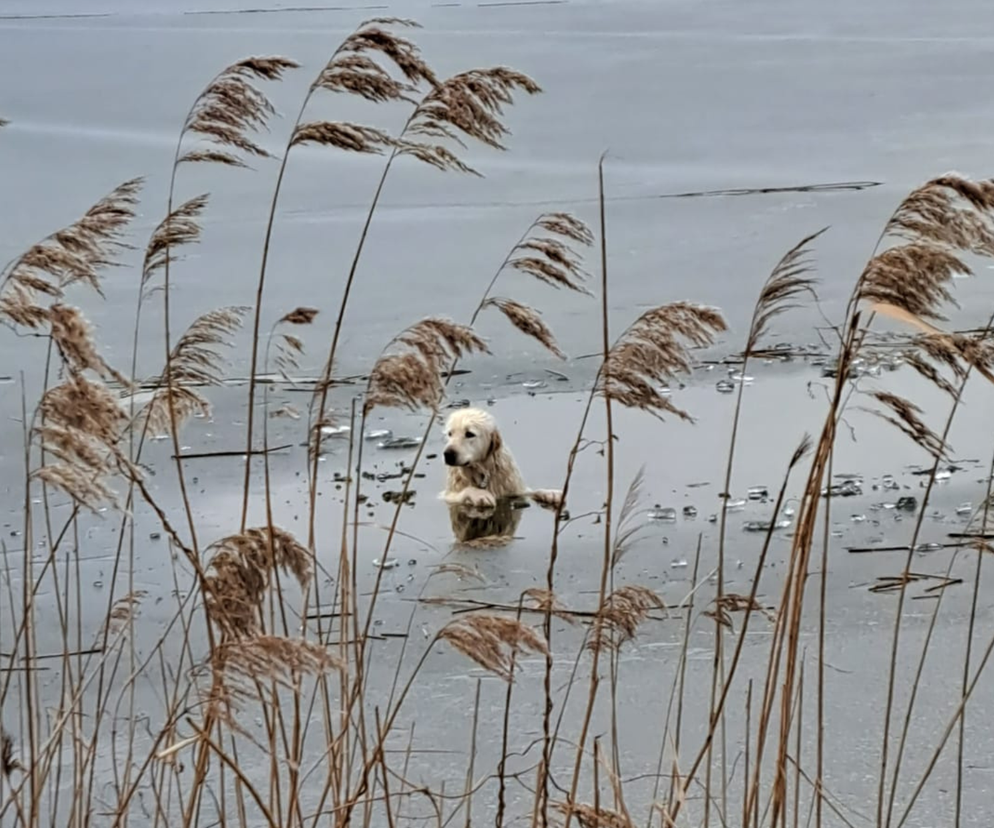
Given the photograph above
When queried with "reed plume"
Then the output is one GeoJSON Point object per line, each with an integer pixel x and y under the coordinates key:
{"type": "Point", "coordinates": [492, 641]}
{"type": "Point", "coordinates": [290, 348]}
{"type": "Point", "coordinates": [629, 528]}
{"type": "Point", "coordinates": [727, 603]}
{"type": "Point", "coordinates": [654, 349]}
{"type": "Point", "coordinates": [240, 571]}
{"type": "Point", "coordinates": [77, 253]}
{"type": "Point", "coordinates": [125, 610]}
{"type": "Point", "coordinates": [590, 817]}
{"type": "Point", "coordinates": [527, 320]}
{"type": "Point", "coordinates": [545, 601]}
{"type": "Point", "coordinates": [905, 416]}
{"type": "Point", "coordinates": [467, 105]}
{"type": "Point", "coordinates": [194, 361]}
{"type": "Point", "coordinates": [788, 280]}
{"type": "Point", "coordinates": [620, 616]}
{"type": "Point", "coordinates": [241, 664]}
{"type": "Point", "coordinates": [82, 422]}
{"type": "Point", "coordinates": [411, 376]}
{"type": "Point", "coordinates": [73, 336]}
{"type": "Point", "coordinates": [229, 109]}
{"type": "Point", "coordinates": [181, 227]}
{"type": "Point", "coordinates": [8, 762]}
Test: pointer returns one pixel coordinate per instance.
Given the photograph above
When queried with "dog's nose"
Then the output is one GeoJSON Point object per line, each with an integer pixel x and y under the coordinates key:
{"type": "Point", "coordinates": [450, 457]}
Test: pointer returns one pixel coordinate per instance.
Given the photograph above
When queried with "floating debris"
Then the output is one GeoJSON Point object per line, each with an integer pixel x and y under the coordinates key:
{"type": "Point", "coordinates": [399, 497]}
{"type": "Point", "coordinates": [458, 404]}
{"type": "Point", "coordinates": [680, 563]}
{"type": "Point", "coordinates": [907, 504]}
{"type": "Point", "coordinates": [667, 514]}
{"type": "Point", "coordinates": [690, 511]}
{"type": "Point", "coordinates": [724, 386]}
{"type": "Point", "coordinates": [945, 474]}
{"type": "Point", "coordinates": [888, 483]}
{"type": "Point", "coordinates": [379, 434]}
{"type": "Point", "coordinates": [334, 431]}
{"type": "Point", "coordinates": [412, 562]}
{"type": "Point", "coordinates": [400, 443]}
{"type": "Point", "coordinates": [964, 509]}
{"type": "Point", "coordinates": [857, 518]}
{"type": "Point", "coordinates": [712, 518]}
{"type": "Point", "coordinates": [847, 488]}
{"type": "Point", "coordinates": [533, 384]}
{"type": "Point", "coordinates": [758, 493]}
{"type": "Point", "coordinates": [389, 563]}
{"type": "Point", "coordinates": [764, 525]}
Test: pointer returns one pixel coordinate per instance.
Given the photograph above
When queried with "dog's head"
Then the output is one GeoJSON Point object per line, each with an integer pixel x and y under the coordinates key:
{"type": "Point", "coordinates": [472, 437]}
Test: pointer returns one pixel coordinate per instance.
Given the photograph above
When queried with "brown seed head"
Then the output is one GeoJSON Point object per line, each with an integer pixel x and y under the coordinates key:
{"type": "Point", "coordinates": [622, 614]}
{"type": "Point", "coordinates": [492, 641]}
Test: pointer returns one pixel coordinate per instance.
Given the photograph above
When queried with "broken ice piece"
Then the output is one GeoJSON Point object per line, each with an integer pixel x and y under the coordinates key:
{"type": "Point", "coordinates": [666, 514]}
{"type": "Point", "coordinates": [907, 504]}
{"type": "Point", "coordinates": [964, 509]}
{"type": "Point", "coordinates": [389, 563]}
{"type": "Point", "coordinates": [379, 434]}
{"type": "Point", "coordinates": [724, 386]}
{"type": "Point", "coordinates": [945, 474]}
{"type": "Point", "coordinates": [332, 431]}
{"type": "Point", "coordinates": [531, 384]}
{"type": "Point", "coordinates": [736, 505]}
{"type": "Point", "coordinates": [888, 482]}
{"type": "Point", "coordinates": [400, 443]}
{"type": "Point", "coordinates": [680, 563]}
{"type": "Point", "coordinates": [857, 518]}
{"type": "Point", "coordinates": [690, 511]}
{"type": "Point", "coordinates": [928, 547]}
{"type": "Point", "coordinates": [758, 493]}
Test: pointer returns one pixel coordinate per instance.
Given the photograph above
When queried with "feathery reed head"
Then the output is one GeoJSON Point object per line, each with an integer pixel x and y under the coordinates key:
{"type": "Point", "coordinates": [786, 282]}
{"type": "Point", "coordinates": [544, 600]}
{"type": "Point", "coordinates": [906, 418]}
{"type": "Point", "coordinates": [289, 348]}
{"type": "Point", "coordinates": [180, 227]}
{"type": "Point", "coordinates": [621, 615]}
{"type": "Point", "coordinates": [654, 349]}
{"type": "Point", "coordinates": [590, 817]}
{"type": "Point", "coordinates": [729, 602]}
{"type": "Point", "coordinates": [8, 762]}
{"type": "Point", "coordinates": [628, 527]}
{"type": "Point", "coordinates": [272, 658]}
{"type": "Point", "coordinates": [342, 135]}
{"type": "Point", "coordinates": [354, 67]}
{"type": "Point", "coordinates": [73, 335]}
{"type": "Point", "coordinates": [77, 253]}
{"type": "Point", "coordinates": [492, 641]}
{"type": "Point", "coordinates": [124, 611]}
{"type": "Point", "coordinates": [527, 320]}
{"type": "Point", "coordinates": [944, 217]}
{"type": "Point", "coordinates": [81, 423]}
{"type": "Point", "coordinates": [230, 108]}
{"type": "Point", "coordinates": [411, 377]}
{"type": "Point", "coordinates": [470, 104]}
{"type": "Point", "coordinates": [241, 570]}
{"type": "Point", "coordinates": [194, 360]}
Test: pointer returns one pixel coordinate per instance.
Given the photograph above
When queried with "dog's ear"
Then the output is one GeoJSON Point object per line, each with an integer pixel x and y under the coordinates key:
{"type": "Point", "coordinates": [496, 443]}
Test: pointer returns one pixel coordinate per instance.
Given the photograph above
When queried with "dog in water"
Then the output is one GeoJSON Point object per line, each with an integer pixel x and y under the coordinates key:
{"type": "Point", "coordinates": [483, 478]}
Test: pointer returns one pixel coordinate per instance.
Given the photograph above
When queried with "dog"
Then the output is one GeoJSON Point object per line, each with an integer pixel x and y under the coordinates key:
{"type": "Point", "coordinates": [481, 469]}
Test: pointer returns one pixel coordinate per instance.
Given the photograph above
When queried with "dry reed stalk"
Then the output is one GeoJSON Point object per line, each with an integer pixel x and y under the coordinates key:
{"type": "Point", "coordinates": [492, 641]}
{"type": "Point", "coordinates": [909, 282]}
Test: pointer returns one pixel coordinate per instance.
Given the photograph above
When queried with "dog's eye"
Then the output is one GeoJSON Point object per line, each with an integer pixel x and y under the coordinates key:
{"type": "Point", "coordinates": [470, 434]}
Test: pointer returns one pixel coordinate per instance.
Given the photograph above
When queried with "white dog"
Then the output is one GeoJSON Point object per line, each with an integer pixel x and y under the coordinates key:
{"type": "Point", "coordinates": [481, 468]}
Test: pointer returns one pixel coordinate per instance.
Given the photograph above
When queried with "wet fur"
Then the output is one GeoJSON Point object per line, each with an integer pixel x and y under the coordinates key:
{"type": "Point", "coordinates": [485, 470]}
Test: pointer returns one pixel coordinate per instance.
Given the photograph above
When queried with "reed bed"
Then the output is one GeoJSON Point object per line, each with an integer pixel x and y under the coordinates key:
{"type": "Point", "coordinates": [258, 694]}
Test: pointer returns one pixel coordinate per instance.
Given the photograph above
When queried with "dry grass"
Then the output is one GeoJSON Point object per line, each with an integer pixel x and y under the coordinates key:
{"type": "Point", "coordinates": [286, 632]}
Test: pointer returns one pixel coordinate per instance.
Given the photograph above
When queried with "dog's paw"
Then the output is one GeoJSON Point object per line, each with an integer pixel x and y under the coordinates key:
{"type": "Point", "coordinates": [547, 498]}
{"type": "Point", "coordinates": [478, 498]}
